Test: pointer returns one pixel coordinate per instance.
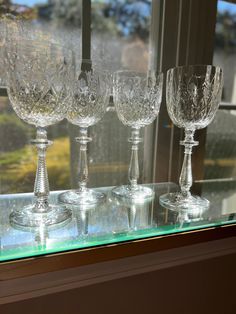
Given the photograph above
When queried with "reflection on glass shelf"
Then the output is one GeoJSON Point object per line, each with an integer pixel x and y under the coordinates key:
{"type": "Point", "coordinates": [113, 221]}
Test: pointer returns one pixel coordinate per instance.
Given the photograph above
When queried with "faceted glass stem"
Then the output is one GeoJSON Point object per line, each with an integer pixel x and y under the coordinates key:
{"type": "Point", "coordinates": [133, 173]}
{"type": "Point", "coordinates": [186, 178]}
{"type": "Point", "coordinates": [183, 201]}
{"type": "Point", "coordinates": [82, 197]}
{"type": "Point", "coordinates": [83, 140]}
{"type": "Point", "coordinates": [41, 185]}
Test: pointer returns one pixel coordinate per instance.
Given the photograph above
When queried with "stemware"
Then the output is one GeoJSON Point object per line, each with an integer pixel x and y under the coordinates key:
{"type": "Point", "coordinates": [89, 99]}
{"type": "Point", "coordinates": [38, 75]}
{"type": "Point", "coordinates": [137, 99]}
{"type": "Point", "coordinates": [193, 95]}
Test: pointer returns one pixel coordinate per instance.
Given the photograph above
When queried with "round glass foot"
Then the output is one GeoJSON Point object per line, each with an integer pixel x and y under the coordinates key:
{"type": "Point", "coordinates": [138, 194]}
{"type": "Point", "coordinates": [25, 218]}
{"type": "Point", "coordinates": [77, 197]}
{"type": "Point", "coordinates": [176, 202]}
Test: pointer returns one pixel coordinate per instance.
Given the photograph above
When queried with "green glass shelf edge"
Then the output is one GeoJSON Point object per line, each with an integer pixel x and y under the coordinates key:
{"type": "Point", "coordinates": [119, 238]}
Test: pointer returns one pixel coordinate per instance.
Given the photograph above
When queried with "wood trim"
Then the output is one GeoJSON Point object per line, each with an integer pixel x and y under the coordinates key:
{"type": "Point", "coordinates": [149, 144]}
{"type": "Point", "coordinates": [60, 261]}
{"type": "Point", "coordinates": [169, 28]}
{"type": "Point", "coordinates": [201, 49]}
{"type": "Point", "coordinates": [43, 284]}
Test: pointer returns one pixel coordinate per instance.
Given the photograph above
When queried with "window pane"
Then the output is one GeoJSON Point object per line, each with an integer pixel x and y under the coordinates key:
{"type": "Point", "coordinates": [52, 21]}
{"type": "Point", "coordinates": [225, 47]}
{"type": "Point", "coordinates": [220, 157]}
{"type": "Point", "coordinates": [121, 32]}
{"type": "Point", "coordinates": [120, 35]}
{"type": "Point", "coordinates": [18, 157]}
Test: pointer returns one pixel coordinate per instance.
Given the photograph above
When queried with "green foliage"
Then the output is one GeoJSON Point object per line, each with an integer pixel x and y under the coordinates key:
{"type": "Point", "coordinates": [13, 133]}
{"type": "Point", "coordinates": [66, 12]}
{"type": "Point", "coordinates": [100, 23]}
{"type": "Point", "coordinates": [18, 168]}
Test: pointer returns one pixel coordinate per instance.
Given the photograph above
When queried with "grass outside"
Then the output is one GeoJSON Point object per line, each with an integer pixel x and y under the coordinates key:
{"type": "Point", "coordinates": [18, 168]}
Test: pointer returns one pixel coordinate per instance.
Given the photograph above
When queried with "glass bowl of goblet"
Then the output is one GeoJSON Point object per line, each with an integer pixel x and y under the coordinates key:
{"type": "Point", "coordinates": [38, 77]}
{"type": "Point", "coordinates": [193, 95]}
{"type": "Point", "coordinates": [90, 95]}
{"type": "Point", "coordinates": [137, 98]}
{"type": "Point", "coordinates": [10, 30]}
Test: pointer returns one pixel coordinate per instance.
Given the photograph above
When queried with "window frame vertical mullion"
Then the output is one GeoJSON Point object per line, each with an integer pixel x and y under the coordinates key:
{"type": "Point", "coordinates": [154, 55]}
{"type": "Point", "coordinates": [165, 54]}
{"type": "Point", "coordinates": [86, 29]}
{"type": "Point", "coordinates": [184, 40]}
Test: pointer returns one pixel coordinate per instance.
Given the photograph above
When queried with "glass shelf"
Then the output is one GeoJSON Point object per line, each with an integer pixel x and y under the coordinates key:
{"type": "Point", "coordinates": [114, 221]}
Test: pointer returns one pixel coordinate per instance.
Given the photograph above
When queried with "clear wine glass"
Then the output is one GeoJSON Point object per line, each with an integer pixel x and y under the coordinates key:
{"type": "Point", "coordinates": [38, 78]}
{"type": "Point", "coordinates": [193, 95]}
{"type": "Point", "coordinates": [89, 99]}
{"type": "Point", "coordinates": [137, 99]}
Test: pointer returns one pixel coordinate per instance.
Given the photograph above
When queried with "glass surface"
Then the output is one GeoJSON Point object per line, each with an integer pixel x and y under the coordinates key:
{"type": "Point", "coordinates": [113, 221]}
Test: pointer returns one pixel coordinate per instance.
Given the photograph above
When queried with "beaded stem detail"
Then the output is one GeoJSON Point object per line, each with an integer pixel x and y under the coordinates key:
{"type": "Point", "coordinates": [41, 185]}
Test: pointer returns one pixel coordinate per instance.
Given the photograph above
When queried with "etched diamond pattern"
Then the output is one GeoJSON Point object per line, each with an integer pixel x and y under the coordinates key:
{"type": "Point", "coordinates": [39, 76]}
{"type": "Point", "coordinates": [89, 99]}
{"type": "Point", "coordinates": [193, 95]}
{"type": "Point", "coordinates": [137, 97]}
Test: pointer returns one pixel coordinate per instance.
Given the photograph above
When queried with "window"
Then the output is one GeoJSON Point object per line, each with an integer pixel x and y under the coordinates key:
{"type": "Point", "coordinates": [126, 34]}
{"type": "Point", "coordinates": [120, 38]}
{"type": "Point", "coordinates": [220, 159]}
{"type": "Point", "coordinates": [225, 46]}
{"type": "Point", "coordinates": [159, 34]}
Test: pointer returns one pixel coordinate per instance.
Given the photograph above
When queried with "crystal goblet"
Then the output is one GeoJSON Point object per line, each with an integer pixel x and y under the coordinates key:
{"type": "Point", "coordinates": [89, 99]}
{"type": "Point", "coordinates": [193, 95]}
{"type": "Point", "coordinates": [137, 99]}
{"type": "Point", "coordinates": [38, 76]}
